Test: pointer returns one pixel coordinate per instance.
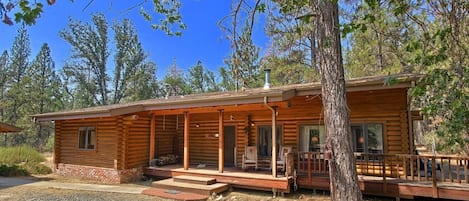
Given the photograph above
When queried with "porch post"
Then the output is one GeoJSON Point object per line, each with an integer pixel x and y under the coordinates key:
{"type": "Point", "coordinates": [274, 142]}
{"type": "Point", "coordinates": [221, 142]}
{"type": "Point", "coordinates": [152, 139]}
{"type": "Point", "coordinates": [186, 140]}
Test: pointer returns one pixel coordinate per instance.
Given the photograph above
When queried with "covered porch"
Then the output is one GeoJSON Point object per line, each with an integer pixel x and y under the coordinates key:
{"type": "Point", "coordinates": [216, 136]}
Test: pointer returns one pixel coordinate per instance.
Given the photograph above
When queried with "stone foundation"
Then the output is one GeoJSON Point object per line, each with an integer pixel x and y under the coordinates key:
{"type": "Point", "coordinates": [99, 174]}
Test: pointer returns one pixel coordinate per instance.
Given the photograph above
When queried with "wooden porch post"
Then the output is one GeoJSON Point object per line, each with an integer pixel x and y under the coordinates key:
{"type": "Point", "coordinates": [186, 140]}
{"type": "Point", "coordinates": [274, 142]}
{"type": "Point", "coordinates": [221, 142]}
{"type": "Point", "coordinates": [152, 139]}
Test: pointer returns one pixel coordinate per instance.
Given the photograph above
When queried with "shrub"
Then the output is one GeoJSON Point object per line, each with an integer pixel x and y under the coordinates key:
{"type": "Point", "coordinates": [12, 171]}
{"type": "Point", "coordinates": [50, 144]}
{"type": "Point", "coordinates": [20, 154]}
{"type": "Point", "coordinates": [37, 168]}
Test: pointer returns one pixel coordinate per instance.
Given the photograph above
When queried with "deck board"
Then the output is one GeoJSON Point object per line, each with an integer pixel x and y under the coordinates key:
{"type": "Point", "coordinates": [236, 177]}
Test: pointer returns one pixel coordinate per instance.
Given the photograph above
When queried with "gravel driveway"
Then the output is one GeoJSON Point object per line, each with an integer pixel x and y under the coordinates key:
{"type": "Point", "coordinates": [49, 194]}
{"type": "Point", "coordinates": [56, 188]}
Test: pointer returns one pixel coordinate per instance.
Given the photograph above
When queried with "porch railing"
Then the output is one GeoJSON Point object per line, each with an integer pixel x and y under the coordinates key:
{"type": "Point", "coordinates": [407, 167]}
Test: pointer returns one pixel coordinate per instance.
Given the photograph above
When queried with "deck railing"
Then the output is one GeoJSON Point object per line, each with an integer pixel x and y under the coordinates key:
{"type": "Point", "coordinates": [405, 167]}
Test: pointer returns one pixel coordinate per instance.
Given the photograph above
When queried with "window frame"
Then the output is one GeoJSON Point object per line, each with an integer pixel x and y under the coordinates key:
{"type": "Point", "coordinates": [279, 139]}
{"type": "Point", "coordinates": [322, 137]}
{"type": "Point", "coordinates": [88, 133]}
{"type": "Point", "coordinates": [365, 133]}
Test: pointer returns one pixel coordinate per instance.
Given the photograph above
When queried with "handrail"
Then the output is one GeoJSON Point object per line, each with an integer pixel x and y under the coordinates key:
{"type": "Point", "coordinates": [406, 167]}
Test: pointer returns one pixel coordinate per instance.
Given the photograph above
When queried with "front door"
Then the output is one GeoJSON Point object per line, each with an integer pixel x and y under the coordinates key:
{"type": "Point", "coordinates": [230, 141]}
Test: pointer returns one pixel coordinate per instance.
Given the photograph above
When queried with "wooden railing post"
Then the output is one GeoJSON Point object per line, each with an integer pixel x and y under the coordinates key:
{"type": "Point", "coordinates": [434, 184]}
{"type": "Point", "coordinates": [384, 175]}
{"type": "Point", "coordinates": [309, 165]}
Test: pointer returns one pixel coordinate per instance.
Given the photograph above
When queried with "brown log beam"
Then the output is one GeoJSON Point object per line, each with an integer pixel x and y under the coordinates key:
{"type": "Point", "coordinates": [221, 142]}
{"type": "Point", "coordinates": [186, 140]}
{"type": "Point", "coordinates": [152, 139]}
{"type": "Point", "coordinates": [225, 108]}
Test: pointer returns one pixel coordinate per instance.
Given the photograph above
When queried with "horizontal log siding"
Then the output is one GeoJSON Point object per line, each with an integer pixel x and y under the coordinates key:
{"type": "Point", "coordinates": [166, 137]}
{"type": "Point", "coordinates": [106, 149]}
{"type": "Point", "coordinates": [137, 141]}
{"type": "Point", "coordinates": [381, 106]}
{"type": "Point", "coordinates": [202, 141]}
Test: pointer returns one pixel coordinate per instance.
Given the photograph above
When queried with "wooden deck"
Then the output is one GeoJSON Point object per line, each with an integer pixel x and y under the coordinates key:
{"type": "Point", "coordinates": [236, 177]}
{"type": "Point", "coordinates": [393, 187]}
{"type": "Point", "coordinates": [399, 176]}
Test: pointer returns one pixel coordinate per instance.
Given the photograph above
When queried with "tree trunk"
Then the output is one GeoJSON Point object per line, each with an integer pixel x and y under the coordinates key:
{"type": "Point", "coordinates": [343, 175]}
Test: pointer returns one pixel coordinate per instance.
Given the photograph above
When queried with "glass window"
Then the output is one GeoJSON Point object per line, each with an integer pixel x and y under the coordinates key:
{"type": "Point", "coordinates": [368, 138]}
{"type": "Point", "coordinates": [264, 140]}
{"type": "Point", "coordinates": [312, 138]}
{"type": "Point", "coordinates": [86, 137]}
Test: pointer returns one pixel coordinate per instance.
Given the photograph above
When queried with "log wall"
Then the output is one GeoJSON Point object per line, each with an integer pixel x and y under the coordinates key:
{"type": "Point", "coordinates": [105, 152]}
{"type": "Point", "coordinates": [387, 107]}
{"type": "Point", "coordinates": [123, 142]}
{"type": "Point", "coordinates": [137, 143]}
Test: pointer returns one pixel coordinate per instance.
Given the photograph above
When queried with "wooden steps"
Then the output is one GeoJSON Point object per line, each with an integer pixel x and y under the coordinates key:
{"type": "Point", "coordinates": [195, 180]}
{"type": "Point", "coordinates": [189, 184]}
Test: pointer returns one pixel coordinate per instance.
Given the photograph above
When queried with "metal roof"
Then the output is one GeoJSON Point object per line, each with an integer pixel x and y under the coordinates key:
{"type": "Point", "coordinates": [248, 96]}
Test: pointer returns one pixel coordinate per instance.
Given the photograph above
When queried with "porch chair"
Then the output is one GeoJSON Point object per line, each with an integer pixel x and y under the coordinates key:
{"type": "Point", "coordinates": [282, 157]}
{"type": "Point", "coordinates": [250, 157]}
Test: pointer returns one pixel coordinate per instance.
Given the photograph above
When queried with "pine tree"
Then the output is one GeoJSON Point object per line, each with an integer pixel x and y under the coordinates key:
{"type": "Point", "coordinates": [174, 83]}
{"type": "Point", "coordinates": [202, 79]}
{"type": "Point", "coordinates": [43, 87]}
{"type": "Point", "coordinates": [3, 80]}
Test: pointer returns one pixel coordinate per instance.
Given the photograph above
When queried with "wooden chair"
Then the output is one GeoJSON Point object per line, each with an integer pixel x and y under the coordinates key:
{"type": "Point", "coordinates": [282, 157]}
{"type": "Point", "coordinates": [250, 157]}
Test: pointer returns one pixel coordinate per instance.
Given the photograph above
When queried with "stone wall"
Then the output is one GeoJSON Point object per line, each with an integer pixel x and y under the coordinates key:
{"type": "Point", "coordinates": [101, 175]}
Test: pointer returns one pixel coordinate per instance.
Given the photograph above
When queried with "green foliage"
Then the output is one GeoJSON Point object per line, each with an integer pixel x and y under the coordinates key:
{"type": "Point", "coordinates": [293, 53]}
{"type": "Point", "coordinates": [49, 147]}
{"type": "Point", "coordinates": [90, 51]}
{"type": "Point", "coordinates": [202, 79]}
{"type": "Point", "coordinates": [36, 168]}
{"type": "Point", "coordinates": [29, 13]}
{"type": "Point", "coordinates": [134, 76]}
{"type": "Point", "coordinates": [174, 82]}
{"type": "Point", "coordinates": [444, 99]}
{"type": "Point", "coordinates": [21, 161]}
{"type": "Point", "coordinates": [244, 62]}
{"type": "Point", "coordinates": [170, 20]}
{"type": "Point", "coordinates": [20, 154]}
{"type": "Point", "coordinates": [13, 171]}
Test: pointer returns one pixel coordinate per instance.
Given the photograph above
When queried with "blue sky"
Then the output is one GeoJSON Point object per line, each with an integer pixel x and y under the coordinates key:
{"type": "Point", "coordinates": [203, 40]}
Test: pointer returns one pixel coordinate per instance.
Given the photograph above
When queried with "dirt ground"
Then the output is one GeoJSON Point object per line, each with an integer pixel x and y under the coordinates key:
{"type": "Point", "coordinates": [35, 193]}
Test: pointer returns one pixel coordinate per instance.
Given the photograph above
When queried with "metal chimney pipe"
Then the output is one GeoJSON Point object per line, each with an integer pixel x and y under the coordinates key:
{"type": "Point", "coordinates": [267, 78]}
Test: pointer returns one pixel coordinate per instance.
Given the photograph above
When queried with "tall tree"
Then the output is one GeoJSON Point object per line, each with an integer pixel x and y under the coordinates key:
{"type": "Point", "coordinates": [144, 84]}
{"type": "Point", "coordinates": [293, 52]}
{"type": "Point", "coordinates": [378, 43]}
{"type": "Point", "coordinates": [342, 170]}
{"type": "Point", "coordinates": [174, 83]}
{"type": "Point", "coordinates": [20, 52]}
{"type": "Point", "coordinates": [129, 58]}
{"type": "Point", "coordinates": [3, 80]}
{"type": "Point", "coordinates": [202, 79]}
{"type": "Point", "coordinates": [90, 49]}
{"type": "Point", "coordinates": [244, 61]}
{"type": "Point", "coordinates": [43, 87]}
{"type": "Point", "coordinates": [227, 82]}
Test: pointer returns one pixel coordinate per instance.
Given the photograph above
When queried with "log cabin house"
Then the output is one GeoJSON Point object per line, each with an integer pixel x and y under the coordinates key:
{"type": "Point", "coordinates": [207, 135]}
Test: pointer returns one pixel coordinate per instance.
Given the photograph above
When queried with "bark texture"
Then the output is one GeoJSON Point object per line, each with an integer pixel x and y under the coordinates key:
{"type": "Point", "coordinates": [343, 175]}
